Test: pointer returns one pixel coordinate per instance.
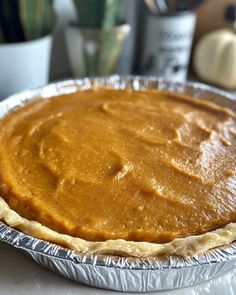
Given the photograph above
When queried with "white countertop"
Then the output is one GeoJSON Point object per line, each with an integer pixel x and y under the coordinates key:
{"type": "Point", "coordinates": [21, 275]}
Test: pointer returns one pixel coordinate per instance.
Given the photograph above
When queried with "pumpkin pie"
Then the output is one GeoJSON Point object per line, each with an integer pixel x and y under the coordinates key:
{"type": "Point", "coordinates": [123, 172]}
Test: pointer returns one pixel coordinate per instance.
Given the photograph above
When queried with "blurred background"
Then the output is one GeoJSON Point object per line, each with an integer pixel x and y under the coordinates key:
{"type": "Point", "coordinates": [46, 40]}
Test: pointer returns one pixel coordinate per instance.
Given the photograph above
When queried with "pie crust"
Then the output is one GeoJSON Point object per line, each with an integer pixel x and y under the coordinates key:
{"type": "Point", "coordinates": [185, 247]}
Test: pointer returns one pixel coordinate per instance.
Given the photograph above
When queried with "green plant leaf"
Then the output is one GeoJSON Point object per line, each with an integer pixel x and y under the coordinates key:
{"type": "Point", "coordinates": [2, 39]}
{"type": "Point", "coordinates": [111, 12]}
{"type": "Point", "coordinates": [37, 17]}
{"type": "Point", "coordinates": [10, 21]}
{"type": "Point", "coordinates": [49, 17]}
{"type": "Point", "coordinates": [98, 13]}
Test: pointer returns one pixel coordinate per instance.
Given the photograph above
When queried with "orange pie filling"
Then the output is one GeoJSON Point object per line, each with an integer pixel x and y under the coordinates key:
{"type": "Point", "coordinates": [106, 164]}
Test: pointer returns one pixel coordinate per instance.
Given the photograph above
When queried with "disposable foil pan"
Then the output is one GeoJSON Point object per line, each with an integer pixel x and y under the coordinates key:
{"type": "Point", "coordinates": [112, 272]}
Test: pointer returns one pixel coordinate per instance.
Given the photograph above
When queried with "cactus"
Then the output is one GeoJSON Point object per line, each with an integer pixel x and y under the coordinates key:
{"type": "Point", "coordinates": [24, 20]}
{"type": "Point", "coordinates": [102, 14]}
{"type": "Point", "coordinates": [1, 36]}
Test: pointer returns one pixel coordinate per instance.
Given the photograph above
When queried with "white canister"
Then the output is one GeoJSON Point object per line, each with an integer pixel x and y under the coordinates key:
{"type": "Point", "coordinates": [24, 65]}
{"type": "Point", "coordinates": [167, 45]}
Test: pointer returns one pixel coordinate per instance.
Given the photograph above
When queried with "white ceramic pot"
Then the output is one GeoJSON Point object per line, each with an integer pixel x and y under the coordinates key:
{"type": "Point", "coordinates": [24, 65]}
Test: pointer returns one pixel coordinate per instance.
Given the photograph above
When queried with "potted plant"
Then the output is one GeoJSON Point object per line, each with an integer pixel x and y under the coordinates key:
{"type": "Point", "coordinates": [95, 42]}
{"type": "Point", "coordinates": [25, 44]}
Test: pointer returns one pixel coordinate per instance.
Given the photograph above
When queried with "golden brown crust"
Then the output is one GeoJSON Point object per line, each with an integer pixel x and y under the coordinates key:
{"type": "Point", "coordinates": [183, 247]}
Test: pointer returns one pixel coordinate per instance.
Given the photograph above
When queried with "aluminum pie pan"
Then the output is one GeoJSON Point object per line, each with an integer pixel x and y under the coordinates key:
{"type": "Point", "coordinates": [113, 272]}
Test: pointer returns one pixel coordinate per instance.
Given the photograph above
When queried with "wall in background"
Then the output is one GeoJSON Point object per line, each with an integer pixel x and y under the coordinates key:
{"type": "Point", "coordinates": [59, 60]}
{"type": "Point", "coordinates": [211, 16]}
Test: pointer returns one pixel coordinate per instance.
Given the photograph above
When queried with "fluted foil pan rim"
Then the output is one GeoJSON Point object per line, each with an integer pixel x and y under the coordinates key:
{"type": "Point", "coordinates": [222, 257]}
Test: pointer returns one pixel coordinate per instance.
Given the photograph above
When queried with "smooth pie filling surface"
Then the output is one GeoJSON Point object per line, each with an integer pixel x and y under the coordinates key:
{"type": "Point", "coordinates": [107, 164]}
